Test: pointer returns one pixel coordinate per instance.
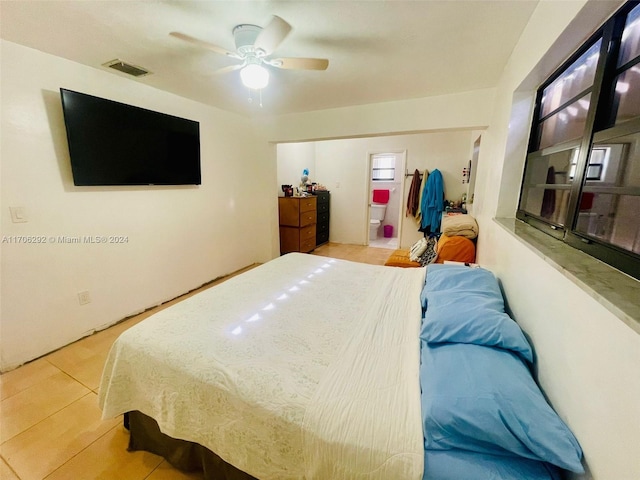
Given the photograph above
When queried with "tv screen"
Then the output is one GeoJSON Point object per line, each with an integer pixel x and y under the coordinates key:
{"type": "Point", "coordinates": [111, 143]}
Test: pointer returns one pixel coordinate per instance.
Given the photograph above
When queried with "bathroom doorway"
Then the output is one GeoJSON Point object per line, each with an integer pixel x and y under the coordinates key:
{"type": "Point", "coordinates": [386, 178]}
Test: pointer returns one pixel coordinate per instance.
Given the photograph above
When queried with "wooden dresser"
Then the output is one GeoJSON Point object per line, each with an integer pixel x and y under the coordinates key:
{"type": "Point", "coordinates": [297, 217]}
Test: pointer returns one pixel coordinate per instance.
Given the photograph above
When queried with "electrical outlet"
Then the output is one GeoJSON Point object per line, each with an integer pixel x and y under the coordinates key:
{"type": "Point", "coordinates": [84, 297]}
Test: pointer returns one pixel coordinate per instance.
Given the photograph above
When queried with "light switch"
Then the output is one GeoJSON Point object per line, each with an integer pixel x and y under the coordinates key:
{"type": "Point", "coordinates": [18, 214]}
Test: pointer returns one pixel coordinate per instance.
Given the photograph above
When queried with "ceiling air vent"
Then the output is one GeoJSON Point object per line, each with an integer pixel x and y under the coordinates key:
{"type": "Point", "coordinates": [126, 68]}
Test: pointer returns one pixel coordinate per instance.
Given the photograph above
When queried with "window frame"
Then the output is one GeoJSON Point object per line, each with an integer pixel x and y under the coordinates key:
{"type": "Point", "coordinates": [599, 127]}
{"type": "Point", "coordinates": [374, 169]}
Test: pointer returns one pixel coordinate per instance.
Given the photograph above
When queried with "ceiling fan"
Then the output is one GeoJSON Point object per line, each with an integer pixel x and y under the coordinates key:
{"type": "Point", "coordinates": [254, 45]}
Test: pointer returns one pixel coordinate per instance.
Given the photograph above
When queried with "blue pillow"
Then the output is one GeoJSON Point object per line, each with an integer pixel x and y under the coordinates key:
{"type": "Point", "coordinates": [456, 278]}
{"type": "Point", "coordinates": [465, 305]}
{"type": "Point", "coordinates": [470, 318]}
{"type": "Point", "coordinates": [484, 400]}
{"type": "Point", "coordinates": [465, 465]}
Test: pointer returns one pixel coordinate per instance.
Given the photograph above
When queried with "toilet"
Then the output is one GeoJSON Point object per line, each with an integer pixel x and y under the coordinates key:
{"type": "Point", "coordinates": [377, 216]}
{"type": "Point", "coordinates": [378, 208]}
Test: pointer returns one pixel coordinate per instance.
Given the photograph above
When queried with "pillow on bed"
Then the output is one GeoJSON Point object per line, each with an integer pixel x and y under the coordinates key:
{"type": "Point", "coordinates": [465, 305]}
{"type": "Point", "coordinates": [442, 277]}
{"type": "Point", "coordinates": [462, 464]}
{"type": "Point", "coordinates": [484, 399]}
{"type": "Point", "coordinates": [454, 320]}
{"type": "Point", "coordinates": [454, 279]}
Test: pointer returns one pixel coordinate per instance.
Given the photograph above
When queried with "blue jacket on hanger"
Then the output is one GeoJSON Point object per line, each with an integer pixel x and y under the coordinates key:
{"type": "Point", "coordinates": [432, 203]}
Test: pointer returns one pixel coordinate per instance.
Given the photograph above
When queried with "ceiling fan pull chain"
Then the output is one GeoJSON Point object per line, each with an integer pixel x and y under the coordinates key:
{"type": "Point", "coordinates": [252, 93]}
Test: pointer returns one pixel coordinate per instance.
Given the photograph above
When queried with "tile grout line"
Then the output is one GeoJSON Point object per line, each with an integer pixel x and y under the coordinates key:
{"type": "Point", "coordinates": [32, 426]}
{"type": "Point", "coordinates": [10, 467]}
{"type": "Point", "coordinates": [78, 453]}
{"type": "Point", "coordinates": [45, 378]}
{"type": "Point", "coordinates": [52, 413]}
{"type": "Point", "coordinates": [48, 416]}
{"type": "Point", "coordinates": [80, 382]}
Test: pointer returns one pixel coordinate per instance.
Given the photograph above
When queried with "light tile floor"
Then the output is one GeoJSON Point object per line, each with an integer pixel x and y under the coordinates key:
{"type": "Point", "coordinates": [50, 423]}
{"type": "Point", "coordinates": [385, 242]}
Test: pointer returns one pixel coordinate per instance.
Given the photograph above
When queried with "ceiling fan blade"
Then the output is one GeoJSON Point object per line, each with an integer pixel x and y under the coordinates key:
{"type": "Point", "coordinates": [300, 63]}
{"type": "Point", "coordinates": [230, 68]}
{"type": "Point", "coordinates": [272, 35]}
{"type": "Point", "coordinates": [203, 44]}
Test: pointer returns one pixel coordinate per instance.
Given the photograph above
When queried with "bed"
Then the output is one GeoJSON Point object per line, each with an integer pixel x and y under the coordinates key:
{"type": "Point", "coordinates": [312, 368]}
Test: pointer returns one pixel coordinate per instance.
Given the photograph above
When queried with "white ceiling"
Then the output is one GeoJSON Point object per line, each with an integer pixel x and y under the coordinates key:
{"type": "Point", "coordinates": [378, 51]}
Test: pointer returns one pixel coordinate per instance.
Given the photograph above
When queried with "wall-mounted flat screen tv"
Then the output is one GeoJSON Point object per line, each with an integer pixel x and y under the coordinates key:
{"type": "Point", "coordinates": [111, 143]}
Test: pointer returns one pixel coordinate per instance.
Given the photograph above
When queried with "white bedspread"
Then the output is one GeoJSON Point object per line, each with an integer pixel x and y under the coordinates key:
{"type": "Point", "coordinates": [303, 368]}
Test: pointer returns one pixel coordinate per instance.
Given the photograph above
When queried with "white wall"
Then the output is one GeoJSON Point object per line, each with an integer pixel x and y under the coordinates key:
{"type": "Point", "coordinates": [342, 166]}
{"type": "Point", "coordinates": [178, 237]}
{"type": "Point", "coordinates": [346, 163]}
{"type": "Point", "coordinates": [459, 111]}
{"type": "Point", "coordinates": [588, 358]}
{"type": "Point", "coordinates": [292, 159]}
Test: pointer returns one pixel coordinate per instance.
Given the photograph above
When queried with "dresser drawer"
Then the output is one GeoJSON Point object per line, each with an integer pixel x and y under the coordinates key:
{"type": "Point", "coordinates": [323, 217]}
{"type": "Point", "coordinates": [323, 207]}
{"type": "Point", "coordinates": [308, 238]}
{"type": "Point", "coordinates": [307, 233]}
{"type": "Point", "coordinates": [322, 227]}
{"type": "Point", "coordinates": [322, 196]}
{"type": "Point", "coordinates": [307, 204]}
{"type": "Point", "coordinates": [322, 237]}
{"type": "Point", "coordinates": [307, 218]}
{"type": "Point", "coordinates": [308, 245]}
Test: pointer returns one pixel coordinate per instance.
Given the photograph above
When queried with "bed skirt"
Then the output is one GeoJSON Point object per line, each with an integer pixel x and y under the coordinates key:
{"type": "Point", "coordinates": [183, 455]}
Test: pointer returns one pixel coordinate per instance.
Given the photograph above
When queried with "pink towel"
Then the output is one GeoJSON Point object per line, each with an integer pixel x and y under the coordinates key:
{"type": "Point", "coordinates": [381, 196]}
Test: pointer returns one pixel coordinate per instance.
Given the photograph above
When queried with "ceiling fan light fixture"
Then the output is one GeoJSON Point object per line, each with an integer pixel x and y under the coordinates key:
{"type": "Point", "coordinates": [254, 76]}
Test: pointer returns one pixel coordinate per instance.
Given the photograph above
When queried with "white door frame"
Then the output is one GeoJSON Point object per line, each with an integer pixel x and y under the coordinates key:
{"type": "Point", "coordinates": [400, 177]}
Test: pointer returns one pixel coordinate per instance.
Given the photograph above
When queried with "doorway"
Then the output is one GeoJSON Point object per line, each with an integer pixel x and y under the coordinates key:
{"type": "Point", "coordinates": [386, 177]}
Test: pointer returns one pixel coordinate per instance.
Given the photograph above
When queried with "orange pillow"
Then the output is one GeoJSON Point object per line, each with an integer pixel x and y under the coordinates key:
{"type": "Point", "coordinates": [457, 249]}
{"type": "Point", "coordinates": [400, 258]}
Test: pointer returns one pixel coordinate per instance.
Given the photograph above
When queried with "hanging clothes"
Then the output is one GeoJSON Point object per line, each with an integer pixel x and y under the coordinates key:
{"type": "Point", "coordinates": [549, 195]}
{"type": "Point", "coordinates": [414, 194]}
{"type": "Point", "coordinates": [423, 184]}
{"type": "Point", "coordinates": [432, 203]}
